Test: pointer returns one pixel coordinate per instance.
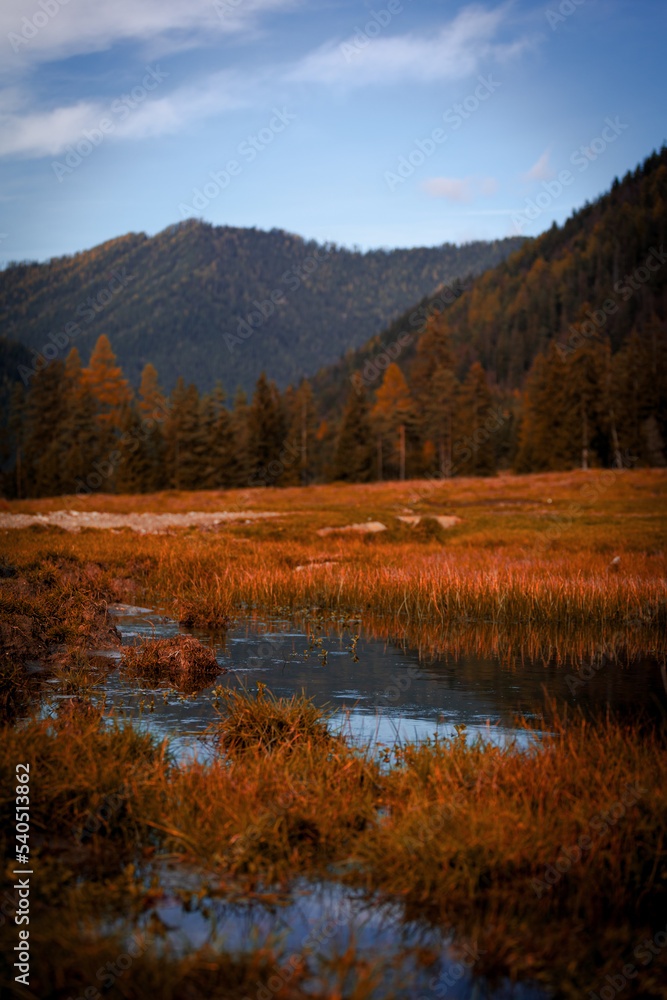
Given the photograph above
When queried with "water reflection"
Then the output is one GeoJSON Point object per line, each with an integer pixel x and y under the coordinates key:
{"type": "Point", "coordinates": [384, 691]}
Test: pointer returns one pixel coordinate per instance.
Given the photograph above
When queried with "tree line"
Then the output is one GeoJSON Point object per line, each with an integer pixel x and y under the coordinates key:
{"type": "Point", "coordinates": [81, 430]}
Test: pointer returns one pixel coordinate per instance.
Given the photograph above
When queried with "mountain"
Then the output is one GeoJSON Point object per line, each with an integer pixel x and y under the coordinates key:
{"type": "Point", "coordinates": [208, 303]}
{"type": "Point", "coordinates": [604, 271]}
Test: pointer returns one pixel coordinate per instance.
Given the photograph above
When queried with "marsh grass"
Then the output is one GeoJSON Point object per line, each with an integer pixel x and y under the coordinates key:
{"type": "Point", "coordinates": [182, 661]}
{"type": "Point", "coordinates": [265, 723]}
{"type": "Point", "coordinates": [467, 833]}
{"type": "Point", "coordinates": [462, 832]}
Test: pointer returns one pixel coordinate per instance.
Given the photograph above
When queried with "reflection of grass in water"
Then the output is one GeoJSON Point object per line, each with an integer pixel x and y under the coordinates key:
{"type": "Point", "coordinates": [462, 831]}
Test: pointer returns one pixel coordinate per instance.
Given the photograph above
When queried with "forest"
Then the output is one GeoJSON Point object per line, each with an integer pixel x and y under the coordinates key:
{"type": "Point", "coordinates": [217, 302]}
{"type": "Point", "coordinates": [554, 359]}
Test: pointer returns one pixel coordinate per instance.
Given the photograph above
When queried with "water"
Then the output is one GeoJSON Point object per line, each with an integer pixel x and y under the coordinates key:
{"type": "Point", "coordinates": [318, 923]}
{"type": "Point", "coordinates": [381, 692]}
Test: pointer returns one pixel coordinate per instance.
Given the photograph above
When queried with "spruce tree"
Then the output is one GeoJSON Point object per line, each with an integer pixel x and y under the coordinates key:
{"type": "Point", "coordinates": [241, 466]}
{"type": "Point", "coordinates": [391, 413]}
{"type": "Point", "coordinates": [474, 453]}
{"type": "Point", "coordinates": [354, 458]}
{"type": "Point", "coordinates": [153, 411]}
{"type": "Point", "coordinates": [300, 436]}
{"type": "Point", "coordinates": [266, 428]}
{"type": "Point", "coordinates": [44, 436]}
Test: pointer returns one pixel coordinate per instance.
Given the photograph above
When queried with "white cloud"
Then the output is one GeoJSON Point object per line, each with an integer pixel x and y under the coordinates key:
{"type": "Point", "coordinates": [48, 133]}
{"type": "Point", "coordinates": [83, 26]}
{"type": "Point", "coordinates": [463, 189]}
{"type": "Point", "coordinates": [457, 50]}
{"type": "Point", "coordinates": [540, 170]}
{"type": "Point", "coordinates": [451, 188]}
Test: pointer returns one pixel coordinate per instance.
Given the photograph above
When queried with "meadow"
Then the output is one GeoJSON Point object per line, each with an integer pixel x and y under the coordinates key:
{"type": "Point", "coordinates": [547, 863]}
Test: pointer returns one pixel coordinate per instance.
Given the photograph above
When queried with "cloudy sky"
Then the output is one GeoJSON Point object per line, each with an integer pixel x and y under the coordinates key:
{"type": "Point", "coordinates": [386, 123]}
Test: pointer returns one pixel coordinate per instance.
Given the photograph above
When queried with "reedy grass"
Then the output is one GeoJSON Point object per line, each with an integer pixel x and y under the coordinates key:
{"type": "Point", "coordinates": [461, 831]}
{"type": "Point", "coordinates": [264, 723]}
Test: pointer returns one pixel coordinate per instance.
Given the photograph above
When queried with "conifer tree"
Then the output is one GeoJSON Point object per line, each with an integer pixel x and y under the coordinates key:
{"type": "Point", "coordinates": [220, 466]}
{"type": "Point", "coordinates": [134, 471]}
{"type": "Point", "coordinates": [104, 379]}
{"type": "Point", "coordinates": [474, 454]}
{"type": "Point", "coordinates": [392, 411]}
{"type": "Point", "coordinates": [16, 429]}
{"type": "Point", "coordinates": [153, 411]}
{"type": "Point", "coordinates": [80, 427]}
{"type": "Point", "coordinates": [45, 420]}
{"type": "Point", "coordinates": [266, 430]}
{"type": "Point", "coordinates": [354, 456]}
{"type": "Point", "coordinates": [240, 428]}
{"type": "Point", "coordinates": [435, 387]}
{"type": "Point", "coordinates": [300, 435]}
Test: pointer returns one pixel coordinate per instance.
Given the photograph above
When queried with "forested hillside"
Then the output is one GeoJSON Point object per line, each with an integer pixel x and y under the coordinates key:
{"type": "Point", "coordinates": [570, 332]}
{"type": "Point", "coordinates": [555, 358]}
{"type": "Point", "coordinates": [209, 303]}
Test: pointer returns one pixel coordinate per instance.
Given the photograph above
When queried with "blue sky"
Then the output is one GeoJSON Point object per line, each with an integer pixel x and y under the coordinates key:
{"type": "Point", "coordinates": [387, 123]}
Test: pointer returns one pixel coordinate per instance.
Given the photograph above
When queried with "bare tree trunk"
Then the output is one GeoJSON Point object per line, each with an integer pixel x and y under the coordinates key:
{"type": "Point", "coordinates": [401, 440]}
{"type": "Point", "coordinates": [618, 461]}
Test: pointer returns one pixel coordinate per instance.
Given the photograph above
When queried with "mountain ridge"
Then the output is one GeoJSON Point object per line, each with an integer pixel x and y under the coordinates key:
{"type": "Point", "coordinates": [224, 302]}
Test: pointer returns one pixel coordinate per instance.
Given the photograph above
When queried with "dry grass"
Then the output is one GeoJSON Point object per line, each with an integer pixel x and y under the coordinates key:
{"type": "Point", "coordinates": [266, 724]}
{"type": "Point", "coordinates": [475, 836]}
{"type": "Point", "coordinates": [182, 661]}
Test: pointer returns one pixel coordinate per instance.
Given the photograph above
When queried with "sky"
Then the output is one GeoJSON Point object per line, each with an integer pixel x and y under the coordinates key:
{"type": "Point", "coordinates": [390, 123]}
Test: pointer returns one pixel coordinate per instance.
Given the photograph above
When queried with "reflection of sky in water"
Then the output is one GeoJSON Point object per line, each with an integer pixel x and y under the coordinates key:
{"type": "Point", "coordinates": [318, 922]}
{"type": "Point", "coordinates": [387, 695]}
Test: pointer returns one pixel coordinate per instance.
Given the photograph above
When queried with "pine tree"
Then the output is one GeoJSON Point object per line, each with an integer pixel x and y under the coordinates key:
{"type": "Point", "coordinates": [45, 420]}
{"type": "Point", "coordinates": [266, 428]}
{"type": "Point", "coordinates": [221, 470]}
{"type": "Point", "coordinates": [16, 431]}
{"type": "Point", "coordinates": [392, 411]}
{"type": "Point", "coordinates": [354, 456]}
{"type": "Point", "coordinates": [104, 378]}
{"type": "Point", "coordinates": [474, 454]}
{"type": "Point", "coordinates": [436, 388]}
{"type": "Point", "coordinates": [80, 429]}
{"type": "Point", "coordinates": [300, 435]}
{"type": "Point", "coordinates": [240, 429]}
{"type": "Point", "coordinates": [134, 471]}
{"type": "Point", "coordinates": [186, 444]}
{"type": "Point", "coordinates": [153, 410]}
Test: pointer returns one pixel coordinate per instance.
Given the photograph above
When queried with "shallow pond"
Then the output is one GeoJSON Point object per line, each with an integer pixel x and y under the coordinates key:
{"type": "Point", "coordinates": [381, 692]}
